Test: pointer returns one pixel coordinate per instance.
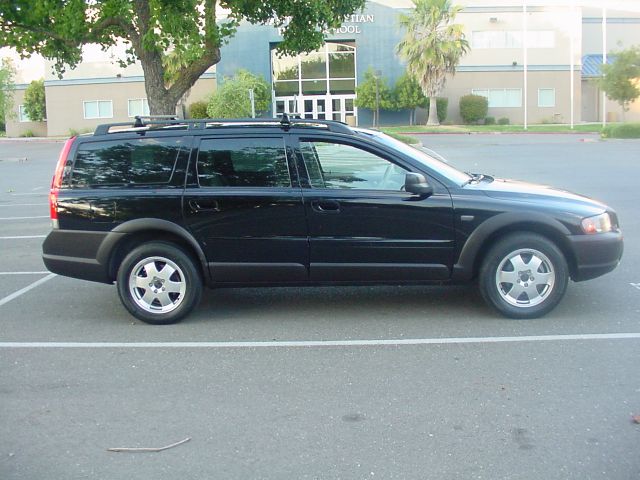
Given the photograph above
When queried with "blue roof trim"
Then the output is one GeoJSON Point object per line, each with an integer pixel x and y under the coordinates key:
{"type": "Point", "coordinates": [591, 64]}
{"type": "Point", "coordinates": [96, 81]}
{"type": "Point", "coordinates": [611, 20]}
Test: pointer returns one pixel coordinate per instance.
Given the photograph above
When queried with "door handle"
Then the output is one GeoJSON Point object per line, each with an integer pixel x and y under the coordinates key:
{"type": "Point", "coordinates": [204, 205]}
{"type": "Point", "coordinates": [325, 206]}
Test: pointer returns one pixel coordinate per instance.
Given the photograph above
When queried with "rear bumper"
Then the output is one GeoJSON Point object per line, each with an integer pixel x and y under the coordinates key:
{"type": "Point", "coordinates": [596, 254]}
{"type": "Point", "coordinates": [77, 254]}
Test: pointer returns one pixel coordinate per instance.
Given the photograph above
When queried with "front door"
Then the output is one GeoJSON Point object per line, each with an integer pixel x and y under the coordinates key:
{"type": "Point", "coordinates": [363, 227]}
{"type": "Point", "coordinates": [243, 204]}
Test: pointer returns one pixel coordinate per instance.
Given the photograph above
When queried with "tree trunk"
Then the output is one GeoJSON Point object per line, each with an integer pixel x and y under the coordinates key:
{"type": "Point", "coordinates": [411, 116]}
{"type": "Point", "coordinates": [433, 112]}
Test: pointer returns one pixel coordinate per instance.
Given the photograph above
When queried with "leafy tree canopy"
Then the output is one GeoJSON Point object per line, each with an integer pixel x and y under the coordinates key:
{"type": "Point", "coordinates": [7, 73]}
{"type": "Point", "coordinates": [152, 28]}
{"type": "Point", "coordinates": [231, 100]}
{"type": "Point", "coordinates": [35, 105]}
{"type": "Point", "coordinates": [621, 79]}
{"type": "Point", "coordinates": [366, 92]}
{"type": "Point", "coordinates": [408, 93]}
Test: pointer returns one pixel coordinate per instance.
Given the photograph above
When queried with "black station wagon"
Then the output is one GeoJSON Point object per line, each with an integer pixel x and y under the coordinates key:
{"type": "Point", "coordinates": [163, 207]}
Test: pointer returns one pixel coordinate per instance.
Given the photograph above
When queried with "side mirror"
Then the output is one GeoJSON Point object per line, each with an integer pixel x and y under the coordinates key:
{"type": "Point", "coordinates": [416, 183]}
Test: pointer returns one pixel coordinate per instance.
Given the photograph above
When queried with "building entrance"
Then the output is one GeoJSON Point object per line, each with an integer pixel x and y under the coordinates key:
{"type": "Point", "coordinates": [317, 85]}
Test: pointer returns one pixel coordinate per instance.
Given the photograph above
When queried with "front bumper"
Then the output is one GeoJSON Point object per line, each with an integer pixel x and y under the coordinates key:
{"type": "Point", "coordinates": [595, 254]}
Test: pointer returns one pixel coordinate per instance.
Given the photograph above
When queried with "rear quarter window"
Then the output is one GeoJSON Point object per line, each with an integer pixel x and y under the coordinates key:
{"type": "Point", "coordinates": [144, 161]}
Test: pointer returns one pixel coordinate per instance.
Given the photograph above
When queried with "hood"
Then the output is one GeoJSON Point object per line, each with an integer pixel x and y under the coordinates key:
{"type": "Point", "coordinates": [533, 193]}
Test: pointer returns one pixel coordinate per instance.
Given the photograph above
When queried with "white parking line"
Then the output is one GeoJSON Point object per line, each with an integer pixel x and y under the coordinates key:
{"type": "Point", "coordinates": [24, 273]}
{"type": "Point", "coordinates": [18, 237]}
{"type": "Point", "coordinates": [25, 205]}
{"type": "Point", "coordinates": [23, 218]}
{"type": "Point", "coordinates": [25, 194]}
{"type": "Point", "coordinates": [324, 343]}
{"type": "Point", "coordinates": [24, 290]}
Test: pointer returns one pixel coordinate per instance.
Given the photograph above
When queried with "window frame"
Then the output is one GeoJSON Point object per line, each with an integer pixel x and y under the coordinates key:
{"type": "Point", "coordinates": [22, 115]}
{"type": "Point", "coordinates": [549, 89]}
{"type": "Point", "coordinates": [289, 158]}
{"type": "Point", "coordinates": [476, 91]}
{"type": "Point", "coordinates": [97, 102]}
{"type": "Point", "coordinates": [306, 178]}
{"type": "Point", "coordinates": [144, 101]}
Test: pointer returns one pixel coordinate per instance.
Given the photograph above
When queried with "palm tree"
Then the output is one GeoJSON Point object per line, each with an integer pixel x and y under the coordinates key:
{"type": "Point", "coordinates": [432, 46]}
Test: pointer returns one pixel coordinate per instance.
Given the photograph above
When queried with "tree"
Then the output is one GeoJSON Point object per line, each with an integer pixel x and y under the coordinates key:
{"type": "Point", "coordinates": [432, 46]}
{"type": "Point", "coordinates": [409, 95]}
{"type": "Point", "coordinates": [232, 98]}
{"type": "Point", "coordinates": [151, 28]}
{"type": "Point", "coordinates": [374, 93]}
{"type": "Point", "coordinates": [35, 105]}
{"type": "Point", "coordinates": [7, 72]}
{"type": "Point", "coordinates": [620, 79]}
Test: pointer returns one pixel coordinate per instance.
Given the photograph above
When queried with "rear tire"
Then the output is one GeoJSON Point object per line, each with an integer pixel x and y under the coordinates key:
{"type": "Point", "coordinates": [524, 275]}
{"type": "Point", "coordinates": [159, 283]}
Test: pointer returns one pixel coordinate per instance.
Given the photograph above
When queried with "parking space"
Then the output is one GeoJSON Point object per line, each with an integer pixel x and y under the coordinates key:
{"type": "Point", "coordinates": [440, 389]}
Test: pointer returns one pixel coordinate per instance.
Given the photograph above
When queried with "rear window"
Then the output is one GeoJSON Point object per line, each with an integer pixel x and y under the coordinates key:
{"type": "Point", "coordinates": [243, 162]}
{"type": "Point", "coordinates": [144, 161]}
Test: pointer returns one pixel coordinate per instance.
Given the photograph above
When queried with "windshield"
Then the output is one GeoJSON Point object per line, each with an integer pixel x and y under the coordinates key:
{"type": "Point", "coordinates": [422, 155]}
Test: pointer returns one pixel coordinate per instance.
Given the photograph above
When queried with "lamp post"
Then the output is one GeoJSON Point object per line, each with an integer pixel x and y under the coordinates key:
{"type": "Point", "coordinates": [378, 74]}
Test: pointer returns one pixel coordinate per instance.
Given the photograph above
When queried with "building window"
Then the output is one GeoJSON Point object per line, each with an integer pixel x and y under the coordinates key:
{"type": "Point", "coordinates": [546, 97]}
{"type": "Point", "coordinates": [98, 109]}
{"type": "Point", "coordinates": [501, 97]}
{"type": "Point", "coordinates": [137, 106]}
{"type": "Point", "coordinates": [22, 114]}
{"type": "Point", "coordinates": [513, 39]}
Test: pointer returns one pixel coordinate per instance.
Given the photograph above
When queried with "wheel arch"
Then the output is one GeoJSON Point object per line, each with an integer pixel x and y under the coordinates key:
{"type": "Point", "coordinates": [479, 242]}
{"type": "Point", "coordinates": [129, 235]}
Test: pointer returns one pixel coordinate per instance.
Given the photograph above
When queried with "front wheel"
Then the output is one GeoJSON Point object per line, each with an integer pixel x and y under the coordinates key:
{"type": "Point", "coordinates": [524, 276]}
{"type": "Point", "coordinates": [159, 283]}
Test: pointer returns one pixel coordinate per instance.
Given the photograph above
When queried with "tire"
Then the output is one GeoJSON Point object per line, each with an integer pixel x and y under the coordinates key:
{"type": "Point", "coordinates": [523, 275]}
{"type": "Point", "coordinates": [159, 283]}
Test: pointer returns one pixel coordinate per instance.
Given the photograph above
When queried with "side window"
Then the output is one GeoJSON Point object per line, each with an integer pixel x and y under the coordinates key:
{"type": "Point", "coordinates": [337, 165]}
{"type": "Point", "coordinates": [243, 162]}
{"type": "Point", "coordinates": [145, 161]}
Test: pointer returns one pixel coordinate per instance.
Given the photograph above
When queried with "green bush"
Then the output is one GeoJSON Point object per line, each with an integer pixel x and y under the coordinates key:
{"type": "Point", "coordinates": [490, 120]}
{"type": "Point", "coordinates": [473, 108]}
{"type": "Point", "coordinates": [503, 121]}
{"type": "Point", "coordinates": [198, 109]}
{"type": "Point", "coordinates": [231, 100]}
{"type": "Point", "coordinates": [27, 134]}
{"type": "Point", "coordinates": [621, 130]}
{"type": "Point", "coordinates": [441, 106]}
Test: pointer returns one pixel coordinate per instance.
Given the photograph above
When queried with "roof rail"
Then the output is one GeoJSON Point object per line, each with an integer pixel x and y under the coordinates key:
{"type": "Point", "coordinates": [285, 122]}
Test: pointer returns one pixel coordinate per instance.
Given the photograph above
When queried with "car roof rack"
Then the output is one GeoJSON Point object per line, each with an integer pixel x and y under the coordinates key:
{"type": "Point", "coordinates": [286, 122]}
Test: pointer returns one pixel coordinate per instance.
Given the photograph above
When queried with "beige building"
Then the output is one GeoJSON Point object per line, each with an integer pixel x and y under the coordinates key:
{"type": "Point", "coordinates": [534, 60]}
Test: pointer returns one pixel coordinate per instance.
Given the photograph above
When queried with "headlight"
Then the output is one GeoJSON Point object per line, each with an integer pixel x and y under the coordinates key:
{"type": "Point", "coordinates": [598, 224]}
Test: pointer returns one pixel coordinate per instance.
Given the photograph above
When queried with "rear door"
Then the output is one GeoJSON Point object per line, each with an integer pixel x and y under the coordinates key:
{"type": "Point", "coordinates": [243, 204]}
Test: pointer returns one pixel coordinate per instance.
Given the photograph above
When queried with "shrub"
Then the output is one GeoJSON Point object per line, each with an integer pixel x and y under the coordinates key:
{"type": "Point", "coordinates": [622, 130]}
{"type": "Point", "coordinates": [27, 134]}
{"type": "Point", "coordinates": [35, 103]}
{"type": "Point", "coordinates": [198, 109]}
{"type": "Point", "coordinates": [473, 108]}
{"type": "Point", "coordinates": [490, 120]}
{"type": "Point", "coordinates": [503, 121]}
{"type": "Point", "coordinates": [231, 100]}
{"type": "Point", "coordinates": [441, 106]}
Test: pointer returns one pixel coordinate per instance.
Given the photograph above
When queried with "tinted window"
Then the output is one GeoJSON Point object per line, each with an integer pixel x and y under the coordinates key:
{"type": "Point", "coordinates": [336, 165]}
{"type": "Point", "coordinates": [243, 162]}
{"type": "Point", "coordinates": [123, 162]}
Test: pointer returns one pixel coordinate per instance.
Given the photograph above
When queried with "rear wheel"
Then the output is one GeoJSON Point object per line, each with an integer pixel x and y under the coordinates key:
{"type": "Point", "coordinates": [159, 283]}
{"type": "Point", "coordinates": [524, 276]}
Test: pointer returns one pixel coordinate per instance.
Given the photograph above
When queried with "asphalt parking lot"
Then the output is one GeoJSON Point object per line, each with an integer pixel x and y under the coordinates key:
{"type": "Point", "coordinates": [325, 383]}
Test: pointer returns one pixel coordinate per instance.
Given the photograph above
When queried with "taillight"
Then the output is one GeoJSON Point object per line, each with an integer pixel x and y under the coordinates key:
{"type": "Point", "coordinates": [56, 183]}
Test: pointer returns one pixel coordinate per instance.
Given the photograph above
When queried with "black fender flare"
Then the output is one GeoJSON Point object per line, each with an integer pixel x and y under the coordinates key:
{"type": "Point", "coordinates": [463, 270]}
{"type": "Point", "coordinates": [142, 225]}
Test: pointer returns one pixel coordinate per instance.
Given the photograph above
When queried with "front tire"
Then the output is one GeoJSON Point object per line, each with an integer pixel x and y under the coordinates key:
{"type": "Point", "coordinates": [159, 283]}
{"type": "Point", "coordinates": [524, 275]}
